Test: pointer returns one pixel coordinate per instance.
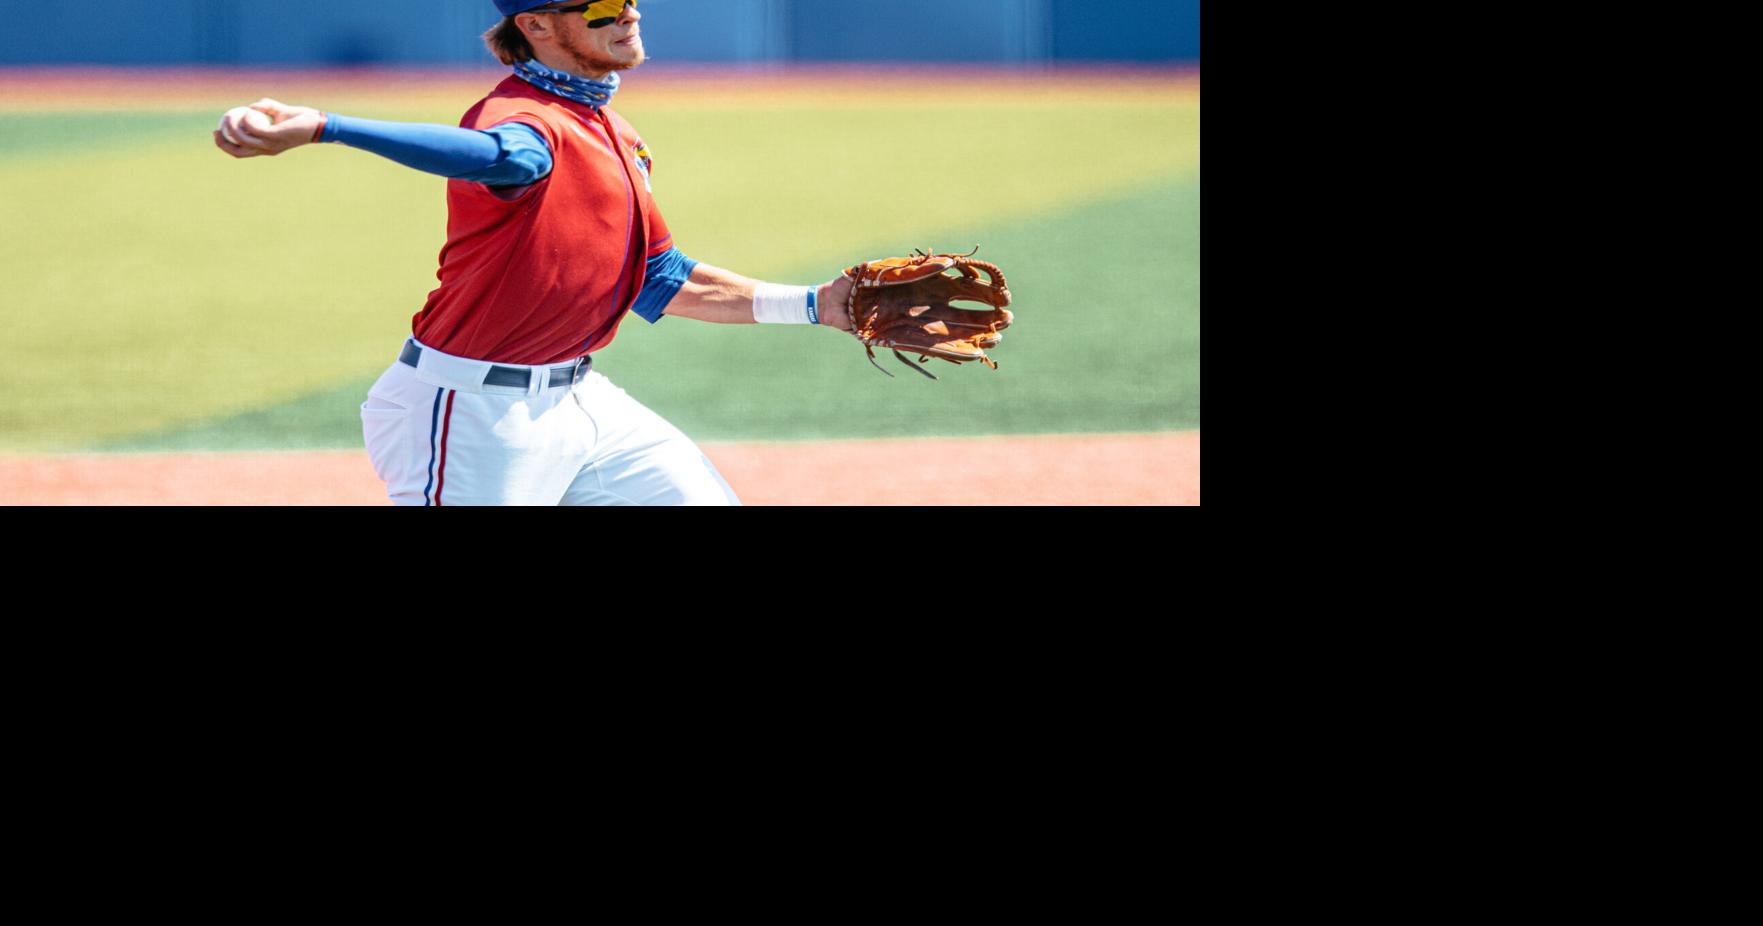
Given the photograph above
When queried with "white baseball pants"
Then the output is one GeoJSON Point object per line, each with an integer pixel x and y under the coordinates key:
{"type": "Point", "coordinates": [438, 436]}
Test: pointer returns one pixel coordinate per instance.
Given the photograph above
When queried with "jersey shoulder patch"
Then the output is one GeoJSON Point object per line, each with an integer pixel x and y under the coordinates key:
{"type": "Point", "coordinates": [645, 163]}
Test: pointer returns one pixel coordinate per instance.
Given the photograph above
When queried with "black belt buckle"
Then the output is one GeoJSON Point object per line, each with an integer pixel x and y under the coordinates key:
{"type": "Point", "coordinates": [572, 374]}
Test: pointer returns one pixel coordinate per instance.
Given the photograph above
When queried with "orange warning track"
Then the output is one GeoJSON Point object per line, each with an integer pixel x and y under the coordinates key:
{"type": "Point", "coordinates": [112, 88]}
{"type": "Point", "coordinates": [1087, 469]}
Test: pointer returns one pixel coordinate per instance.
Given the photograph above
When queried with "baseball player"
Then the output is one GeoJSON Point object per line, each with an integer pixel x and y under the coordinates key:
{"type": "Point", "coordinates": [553, 236]}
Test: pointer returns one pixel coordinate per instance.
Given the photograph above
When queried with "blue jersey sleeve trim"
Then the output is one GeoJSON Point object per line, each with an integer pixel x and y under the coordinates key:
{"type": "Point", "coordinates": [510, 154]}
{"type": "Point", "coordinates": [662, 278]}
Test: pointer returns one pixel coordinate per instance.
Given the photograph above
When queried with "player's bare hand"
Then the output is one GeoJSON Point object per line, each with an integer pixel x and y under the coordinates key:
{"type": "Point", "coordinates": [831, 300]}
{"type": "Point", "coordinates": [266, 128]}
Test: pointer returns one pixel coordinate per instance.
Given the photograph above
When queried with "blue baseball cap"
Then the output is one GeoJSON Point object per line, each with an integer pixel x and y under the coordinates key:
{"type": "Point", "coordinates": [511, 7]}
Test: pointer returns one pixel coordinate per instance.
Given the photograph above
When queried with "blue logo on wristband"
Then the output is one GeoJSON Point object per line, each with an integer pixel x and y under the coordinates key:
{"type": "Point", "coordinates": [813, 313]}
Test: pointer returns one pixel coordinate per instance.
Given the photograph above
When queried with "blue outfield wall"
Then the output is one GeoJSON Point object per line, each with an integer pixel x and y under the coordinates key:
{"type": "Point", "coordinates": [443, 32]}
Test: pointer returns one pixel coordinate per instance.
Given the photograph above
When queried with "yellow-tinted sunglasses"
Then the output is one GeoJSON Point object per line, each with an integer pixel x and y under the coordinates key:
{"type": "Point", "coordinates": [598, 13]}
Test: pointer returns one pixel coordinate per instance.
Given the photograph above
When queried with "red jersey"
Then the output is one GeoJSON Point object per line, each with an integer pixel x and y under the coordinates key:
{"type": "Point", "coordinates": [544, 273]}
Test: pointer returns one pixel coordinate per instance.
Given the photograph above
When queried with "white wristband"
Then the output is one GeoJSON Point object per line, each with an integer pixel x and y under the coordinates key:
{"type": "Point", "coordinates": [785, 305]}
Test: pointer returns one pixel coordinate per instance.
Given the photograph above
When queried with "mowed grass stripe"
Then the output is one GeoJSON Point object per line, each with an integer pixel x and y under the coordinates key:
{"type": "Point", "coordinates": [162, 283]}
{"type": "Point", "coordinates": [1107, 298]}
{"type": "Point", "coordinates": [193, 288]}
{"type": "Point", "coordinates": [25, 135]}
{"type": "Point", "coordinates": [1107, 340]}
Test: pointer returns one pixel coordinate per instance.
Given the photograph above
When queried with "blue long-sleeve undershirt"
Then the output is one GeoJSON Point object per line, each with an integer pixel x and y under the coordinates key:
{"type": "Point", "coordinates": [508, 155]}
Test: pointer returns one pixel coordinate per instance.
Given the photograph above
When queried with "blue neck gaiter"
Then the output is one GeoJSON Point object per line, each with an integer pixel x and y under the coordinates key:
{"type": "Point", "coordinates": [580, 89]}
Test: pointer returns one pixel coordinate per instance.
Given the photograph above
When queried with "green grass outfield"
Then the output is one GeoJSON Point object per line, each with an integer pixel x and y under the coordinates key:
{"type": "Point", "coordinates": [160, 295]}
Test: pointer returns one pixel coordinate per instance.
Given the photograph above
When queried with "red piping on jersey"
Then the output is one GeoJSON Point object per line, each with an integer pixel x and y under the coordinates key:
{"type": "Point", "coordinates": [630, 222]}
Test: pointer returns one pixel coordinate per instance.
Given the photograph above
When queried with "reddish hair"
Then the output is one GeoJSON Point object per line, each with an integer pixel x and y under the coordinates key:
{"type": "Point", "coordinates": [508, 43]}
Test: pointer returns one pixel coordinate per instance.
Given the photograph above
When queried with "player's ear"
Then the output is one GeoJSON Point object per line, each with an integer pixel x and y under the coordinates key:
{"type": "Point", "coordinates": [530, 25]}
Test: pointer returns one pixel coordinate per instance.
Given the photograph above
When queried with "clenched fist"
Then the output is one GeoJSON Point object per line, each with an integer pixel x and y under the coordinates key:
{"type": "Point", "coordinates": [266, 127]}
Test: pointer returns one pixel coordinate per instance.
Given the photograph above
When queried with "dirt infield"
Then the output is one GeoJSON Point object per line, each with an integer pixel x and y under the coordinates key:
{"type": "Point", "coordinates": [109, 88]}
{"type": "Point", "coordinates": [1088, 469]}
